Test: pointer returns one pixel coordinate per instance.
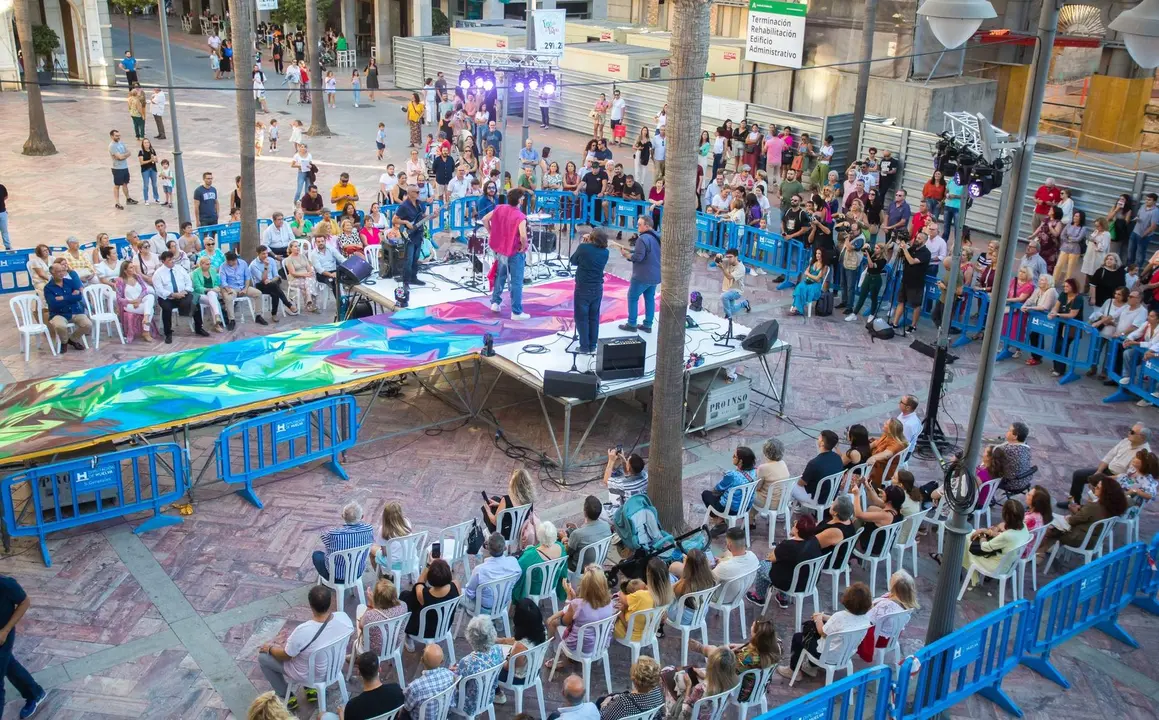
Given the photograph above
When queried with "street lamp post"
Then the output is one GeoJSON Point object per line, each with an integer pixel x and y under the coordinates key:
{"type": "Point", "coordinates": [178, 165]}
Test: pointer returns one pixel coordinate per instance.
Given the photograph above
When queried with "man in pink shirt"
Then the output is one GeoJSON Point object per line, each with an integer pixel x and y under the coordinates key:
{"type": "Point", "coordinates": [774, 147]}
{"type": "Point", "coordinates": [507, 226]}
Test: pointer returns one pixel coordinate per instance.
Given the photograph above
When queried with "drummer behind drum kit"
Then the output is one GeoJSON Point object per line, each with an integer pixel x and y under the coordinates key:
{"type": "Point", "coordinates": [542, 241]}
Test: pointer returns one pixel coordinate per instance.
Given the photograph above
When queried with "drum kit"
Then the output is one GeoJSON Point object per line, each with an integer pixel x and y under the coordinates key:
{"type": "Point", "coordinates": [542, 240]}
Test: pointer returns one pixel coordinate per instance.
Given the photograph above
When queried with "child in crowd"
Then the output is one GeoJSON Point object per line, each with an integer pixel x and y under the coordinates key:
{"type": "Point", "coordinates": [380, 139]}
{"type": "Point", "coordinates": [296, 131]}
{"type": "Point", "coordinates": [259, 137]}
{"type": "Point", "coordinates": [634, 598]}
{"type": "Point", "coordinates": [166, 175]}
{"type": "Point", "coordinates": [330, 85]}
{"type": "Point", "coordinates": [273, 133]}
{"type": "Point", "coordinates": [1132, 277]}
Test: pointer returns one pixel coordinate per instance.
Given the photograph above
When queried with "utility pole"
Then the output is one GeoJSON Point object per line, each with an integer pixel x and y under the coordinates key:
{"type": "Point", "coordinates": [178, 164]}
{"type": "Point", "coordinates": [862, 78]}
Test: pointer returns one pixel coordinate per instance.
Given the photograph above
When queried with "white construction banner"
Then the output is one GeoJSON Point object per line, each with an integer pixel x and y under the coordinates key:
{"type": "Point", "coordinates": [549, 31]}
{"type": "Point", "coordinates": [267, 4]}
{"type": "Point", "coordinates": [776, 33]}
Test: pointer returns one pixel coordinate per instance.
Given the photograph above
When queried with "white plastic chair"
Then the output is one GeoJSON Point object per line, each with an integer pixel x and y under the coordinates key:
{"type": "Point", "coordinates": [759, 694]}
{"type": "Point", "coordinates": [889, 535]}
{"type": "Point", "coordinates": [836, 570]}
{"type": "Point", "coordinates": [828, 487]}
{"type": "Point", "coordinates": [1007, 567]}
{"type": "Point", "coordinates": [393, 631]}
{"type": "Point", "coordinates": [533, 661]}
{"type": "Point", "coordinates": [437, 707]}
{"type": "Point", "coordinates": [239, 300]}
{"type": "Point", "coordinates": [594, 554]}
{"type": "Point", "coordinates": [717, 704]}
{"type": "Point", "coordinates": [646, 715]}
{"type": "Point", "coordinates": [101, 304]}
{"type": "Point", "coordinates": [518, 515]}
{"type": "Point", "coordinates": [351, 560]}
{"type": "Point", "coordinates": [907, 539]}
{"type": "Point", "coordinates": [985, 509]}
{"type": "Point", "coordinates": [733, 593]}
{"type": "Point", "coordinates": [1030, 557]}
{"type": "Point", "coordinates": [890, 626]}
{"type": "Point", "coordinates": [810, 573]}
{"type": "Point", "coordinates": [453, 545]}
{"type": "Point", "coordinates": [938, 516]}
{"type": "Point", "coordinates": [404, 558]}
{"type": "Point", "coordinates": [809, 307]}
{"type": "Point", "coordinates": [836, 653]}
{"type": "Point", "coordinates": [1087, 550]}
{"type": "Point", "coordinates": [26, 309]}
{"type": "Point", "coordinates": [782, 511]}
{"type": "Point", "coordinates": [739, 493]}
{"type": "Point", "coordinates": [650, 621]}
{"type": "Point", "coordinates": [600, 633]}
{"type": "Point", "coordinates": [863, 470]}
{"type": "Point", "coordinates": [1130, 522]}
{"type": "Point", "coordinates": [485, 683]}
{"type": "Point", "coordinates": [547, 574]}
{"type": "Point", "coordinates": [700, 606]}
{"type": "Point", "coordinates": [443, 615]}
{"type": "Point", "coordinates": [325, 670]}
{"type": "Point", "coordinates": [499, 590]}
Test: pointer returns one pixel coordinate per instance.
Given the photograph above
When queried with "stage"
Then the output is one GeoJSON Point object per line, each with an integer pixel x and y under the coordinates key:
{"type": "Point", "coordinates": [133, 401]}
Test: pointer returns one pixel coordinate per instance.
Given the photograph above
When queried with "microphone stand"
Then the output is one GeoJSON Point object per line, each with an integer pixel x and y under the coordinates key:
{"type": "Point", "coordinates": [725, 339]}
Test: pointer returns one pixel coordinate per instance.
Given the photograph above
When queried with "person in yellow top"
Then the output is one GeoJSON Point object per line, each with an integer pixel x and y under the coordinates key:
{"type": "Point", "coordinates": [343, 193]}
{"type": "Point", "coordinates": [414, 117]}
{"type": "Point", "coordinates": [137, 111]}
{"type": "Point", "coordinates": [635, 598]}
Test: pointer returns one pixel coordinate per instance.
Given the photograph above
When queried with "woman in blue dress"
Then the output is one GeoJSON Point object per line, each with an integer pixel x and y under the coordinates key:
{"type": "Point", "coordinates": [809, 289]}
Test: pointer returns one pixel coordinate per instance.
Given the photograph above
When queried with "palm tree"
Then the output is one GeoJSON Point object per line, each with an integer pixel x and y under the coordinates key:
{"type": "Point", "coordinates": [241, 24]}
{"type": "Point", "coordinates": [38, 142]}
{"type": "Point", "coordinates": [318, 124]}
{"type": "Point", "coordinates": [685, 90]}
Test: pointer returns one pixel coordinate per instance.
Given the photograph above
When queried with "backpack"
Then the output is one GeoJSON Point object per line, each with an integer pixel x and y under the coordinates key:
{"type": "Point", "coordinates": [879, 329]}
{"type": "Point", "coordinates": [824, 305]}
{"type": "Point", "coordinates": [638, 524]}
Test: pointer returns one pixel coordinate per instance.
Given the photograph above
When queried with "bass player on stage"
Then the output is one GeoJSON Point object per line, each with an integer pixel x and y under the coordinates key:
{"type": "Point", "coordinates": [507, 227]}
{"type": "Point", "coordinates": [590, 259]}
{"type": "Point", "coordinates": [409, 219]}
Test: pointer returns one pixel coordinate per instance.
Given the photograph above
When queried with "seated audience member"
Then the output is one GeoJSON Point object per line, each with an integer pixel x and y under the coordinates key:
{"type": "Point", "coordinates": [497, 564]}
{"type": "Point", "coordinates": [912, 497]}
{"type": "Point", "coordinates": [136, 302]}
{"type": "Point", "coordinates": [394, 525]}
{"type": "Point", "coordinates": [592, 531]}
{"type": "Point", "coordinates": [644, 695]}
{"type": "Point", "coordinates": [1038, 510]}
{"type": "Point", "coordinates": [1139, 482]}
{"type": "Point", "coordinates": [591, 603]}
{"type": "Point", "coordinates": [695, 575]}
{"type": "Point", "coordinates": [79, 262]}
{"type": "Point", "coordinates": [634, 598]}
{"type": "Point", "coordinates": [376, 698]}
{"type": "Point", "coordinates": [268, 706]}
{"type": "Point", "coordinates": [215, 255]}
{"type": "Point", "coordinates": [624, 477]}
{"type": "Point", "coordinates": [660, 586]}
{"type": "Point", "coordinates": [434, 679]}
{"type": "Point", "coordinates": [1012, 460]}
{"type": "Point", "coordinates": [760, 651]}
{"type": "Point", "coordinates": [435, 585]}
{"type": "Point", "coordinates": [994, 543]}
{"type": "Point", "coordinates": [235, 283]}
{"type": "Point", "coordinates": [827, 462]}
{"type": "Point", "coordinates": [1110, 502]}
{"type": "Point", "coordinates": [520, 491]}
{"type": "Point", "coordinates": [883, 449]}
{"type": "Point", "coordinates": [858, 438]}
{"type": "Point", "coordinates": [837, 526]}
{"type": "Point", "coordinates": [777, 569]}
{"type": "Point", "coordinates": [744, 463]}
{"type": "Point", "coordinates": [207, 294]}
{"type": "Point", "coordinates": [908, 417]}
{"type": "Point", "coordinates": [109, 267]}
{"type": "Point", "coordinates": [687, 685]}
{"type": "Point", "coordinates": [63, 296]}
{"type": "Point", "coordinates": [292, 660]}
{"type": "Point", "coordinates": [736, 563]}
{"type": "Point", "coordinates": [325, 261]}
{"type": "Point", "coordinates": [576, 708]}
{"type": "Point", "coordinates": [548, 548]}
{"type": "Point", "coordinates": [263, 273]}
{"type": "Point", "coordinates": [769, 473]}
{"type": "Point", "coordinates": [1116, 462]}
{"type": "Point", "coordinates": [873, 517]}
{"type": "Point", "coordinates": [353, 533]}
{"type": "Point", "coordinates": [381, 604]}
{"type": "Point", "coordinates": [855, 602]}
{"type": "Point", "coordinates": [902, 596]}
{"type": "Point", "coordinates": [528, 632]}
{"type": "Point", "coordinates": [485, 654]}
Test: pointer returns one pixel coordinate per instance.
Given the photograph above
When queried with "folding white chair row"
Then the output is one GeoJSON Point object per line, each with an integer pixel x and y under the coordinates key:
{"type": "Point", "coordinates": [828, 488]}
{"type": "Point", "coordinates": [546, 577]}
{"type": "Point", "coordinates": [532, 660]}
{"type": "Point", "coordinates": [594, 554]}
{"type": "Point", "coordinates": [393, 633]}
{"type": "Point", "coordinates": [1008, 566]}
{"type": "Point", "coordinates": [439, 616]}
{"type": "Point", "coordinates": [346, 561]}
{"type": "Point", "coordinates": [1130, 522]}
{"type": "Point", "coordinates": [782, 492]}
{"type": "Point", "coordinates": [805, 576]}
{"type": "Point", "coordinates": [403, 558]}
{"type": "Point", "coordinates": [834, 652]}
{"type": "Point", "coordinates": [698, 604]}
{"type": "Point", "coordinates": [879, 548]}
{"type": "Point", "coordinates": [739, 496]}
{"type": "Point", "coordinates": [485, 682]}
{"type": "Point", "coordinates": [597, 636]}
{"type": "Point", "coordinates": [513, 518]}
{"type": "Point", "coordinates": [499, 593]}
{"type": "Point", "coordinates": [325, 670]}
{"type": "Point", "coordinates": [731, 596]}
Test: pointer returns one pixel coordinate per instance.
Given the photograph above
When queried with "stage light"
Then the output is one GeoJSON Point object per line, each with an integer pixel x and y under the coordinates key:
{"type": "Point", "coordinates": [401, 296]}
{"type": "Point", "coordinates": [479, 77]}
{"type": "Point", "coordinates": [533, 80]}
{"type": "Point", "coordinates": [465, 79]}
{"type": "Point", "coordinates": [696, 301]}
{"type": "Point", "coordinates": [519, 83]}
{"type": "Point", "coordinates": [488, 345]}
{"type": "Point", "coordinates": [549, 84]}
{"type": "Point", "coordinates": [488, 81]}
{"type": "Point", "coordinates": [975, 189]}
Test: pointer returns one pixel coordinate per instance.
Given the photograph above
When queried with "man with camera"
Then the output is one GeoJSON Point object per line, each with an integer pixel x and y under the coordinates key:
{"type": "Point", "coordinates": [916, 257]}
{"type": "Point", "coordinates": [732, 291]}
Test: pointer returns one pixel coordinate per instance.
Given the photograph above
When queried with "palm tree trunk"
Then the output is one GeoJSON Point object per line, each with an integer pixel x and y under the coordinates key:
{"type": "Point", "coordinates": [318, 124]}
{"type": "Point", "coordinates": [241, 27]}
{"type": "Point", "coordinates": [38, 142]}
{"type": "Point", "coordinates": [689, 60]}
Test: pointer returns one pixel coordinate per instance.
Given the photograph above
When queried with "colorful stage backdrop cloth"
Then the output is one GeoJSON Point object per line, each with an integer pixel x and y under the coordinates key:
{"type": "Point", "coordinates": [90, 406]}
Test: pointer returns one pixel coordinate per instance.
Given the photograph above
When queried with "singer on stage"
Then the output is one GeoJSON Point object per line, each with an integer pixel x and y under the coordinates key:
{"type": "Point", "coordinates": [407, 218]}
{"type": "Point", "coordinates": [590, 259]}
{"type": "Point", "coordinates": [507, 227]}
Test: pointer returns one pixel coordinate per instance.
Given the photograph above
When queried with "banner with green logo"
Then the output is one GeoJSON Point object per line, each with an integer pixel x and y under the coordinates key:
{"type": "Point", "coordinates": [776, 33]}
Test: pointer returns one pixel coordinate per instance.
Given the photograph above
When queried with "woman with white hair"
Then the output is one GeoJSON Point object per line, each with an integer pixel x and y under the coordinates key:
{"type": "Point", "coordinates": [902, 595]}
{"type": "Point", "coordinates": [769, 473]}
{"type": "Point", "coordinates": [485, 653]}
{"type": "Point", "coordinates": [547, 548]}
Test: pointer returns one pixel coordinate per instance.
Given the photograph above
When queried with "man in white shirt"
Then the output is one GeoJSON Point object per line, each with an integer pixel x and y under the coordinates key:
{"type": "Point", "coordinates": [910, 422]}
{"type": "Point", "coordinates": [174, 290]}
{"type": "Point", "coordinates": [617, 115]}
{"type": "Point", "coordinates": [293, 660]}
{"type": "Point", "coordinates": [157, 103]}
{"type": "Point", "coordinates": [325, 261]}
{"type": "Point", "coordinates": [159, 243]}
{"type": "Point", "coordinates": [659, 151]}
{"type": "Point", "coordinates": [576, 708]}
{"type": "Point", "coordinates": [1115, 462]}
{"type": "Point", "coordinates": [1033, 261]}
{"type": "Point", "coordinates": [277, 236]}
{"type": "Point", "coordinates": [214, 41]}
{"type": "Point", "coordinates": [498, 564]}
{"type": "Point", "coordinates": [1140, 346]}
{"type": "Point", "coordinates": [937, 246]}
{"type": "Point", "coordinates": [739, 561]}
{"type": "Point", "coordinates": [387, 181]}
{"type": "Point", "coordinates": [459, 184]}
{"type": "Point", "coordinates": [714, 188]}
{"type": "Point", "coordinates": [301, 162]}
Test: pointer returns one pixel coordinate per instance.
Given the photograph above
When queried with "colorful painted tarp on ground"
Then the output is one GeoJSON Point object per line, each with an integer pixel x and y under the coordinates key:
{"type": "Point", "coordinates": [85, 407]}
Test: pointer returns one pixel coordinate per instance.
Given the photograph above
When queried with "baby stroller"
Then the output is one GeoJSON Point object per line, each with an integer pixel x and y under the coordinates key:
{"type": "Point", "coordinates": [638, 526]}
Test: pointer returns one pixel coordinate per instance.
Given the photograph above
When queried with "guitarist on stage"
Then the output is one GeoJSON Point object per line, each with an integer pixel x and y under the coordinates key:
{"type": "Point", "coordinates": [409, 220]}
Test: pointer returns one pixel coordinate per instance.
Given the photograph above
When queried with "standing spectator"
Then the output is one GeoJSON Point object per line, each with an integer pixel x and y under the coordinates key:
{"type": "Point", "coordinates": [174, 288]}
{"type": "Point", "coordinates": [1032, 261]}
{"type": "Point", "coordinates": [414, 116]}
{"type": "Point", "coordinates": [898, 214]}
{"type": "Point", "coordinates": [493, 138]}
{"type": "Point", "coordinates": [14, 603]}
{"type": "Point", "coordinates": [120, 156]}
{"type": "Point", "coordinates": [1098, 245]}
{"type": "Point", "coordinates": [660, 151]}
{"type": "Point", "coordinates": [1049, 237]}
{"type": "Point", "coordinates": [951, 205]}
{"type": "Point", "coordinates": [147, 157]}
{"type": "Point", "coordinates": [1119, 218]}
{"type": "Point", "coordinates": [619, 129]}
{"type": "Point", "coordinates": [137, 111]}
{"type": "Point", "coordinates": [4, 218]}
{"type": "Point", "coordinates": [1045, 198]}
{"type": "Point", "coordinates": [599, 115]}
{"type": "Point", "coordinates": [1144, 231]}
{"type": "Point", "coordinates": [157, 102]}
{"type": "Point", "coordinates": [913, 280]}
{"type": "Point", "coordinates": [129, 65]}
{"type": "Point", "coordinates": [205, 201]}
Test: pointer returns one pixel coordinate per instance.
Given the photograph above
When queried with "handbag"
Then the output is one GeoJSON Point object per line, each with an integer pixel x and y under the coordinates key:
{"type": "Point", "coordinates": [976, 549]}
{"type": "Point", "coordinates": [475, 539]}
{"type": "Point", "coordinates": [798, 163]}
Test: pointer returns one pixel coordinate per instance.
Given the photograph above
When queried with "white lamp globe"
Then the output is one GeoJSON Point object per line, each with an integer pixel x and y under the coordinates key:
{"type": "Point", "coordinates": [953, 22]}
{"type": "Point", "coordinates": [1139, 27]}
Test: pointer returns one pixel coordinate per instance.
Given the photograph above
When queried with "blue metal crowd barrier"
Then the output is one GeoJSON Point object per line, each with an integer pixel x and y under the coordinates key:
{"type": "Point", "coordinates": [1147, 589]}
{"type": "Point", "coordinates": [462, 215]}
{"type": "Point", "coordinates": [1142, 375]}
{"type": "Point", "coordinates": [846, 699]}
{"type": "Point", "coordinates": [1089, 597]}
{"type": "Point", "coordinates": [1071, 342]}
{"type": "Point", "coordinates": [620, 214]}
{"type": "Point", "coordinates": [970, 315]}
{"type": "Point", "coordinates": [285, 439]}
{"type": "Point", "coordinates": [972, 660]}
{"type": "Point", "coordinates": [74, 493]}
{"type": "Point", "coordinates": [774, 254]}
{"type": "Point", "coordinates": [564, 208]}
{"type": "Point", "coordinates": [334, 215]}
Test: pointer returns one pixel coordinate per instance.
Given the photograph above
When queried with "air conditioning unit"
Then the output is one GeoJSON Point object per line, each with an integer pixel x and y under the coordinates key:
{"type": "Point", "coordinates": [649, 72]}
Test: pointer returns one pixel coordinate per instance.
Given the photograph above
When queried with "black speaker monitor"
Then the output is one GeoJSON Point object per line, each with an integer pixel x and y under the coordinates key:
{"type": "Point", "coordinates": [580, 386]}
{"type": "Point", "coordinates": [762, 338]}
{"type": "Point", "coordinates": [354, 270]}
{"type": "Point", "coordinates": [621, 358]}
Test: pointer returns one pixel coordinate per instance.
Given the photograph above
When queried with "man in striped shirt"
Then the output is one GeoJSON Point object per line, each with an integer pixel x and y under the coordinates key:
{"type": "Point", "coordinates": [353, 533]}
{"type": "Point", "coordinates": [624, 477]}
